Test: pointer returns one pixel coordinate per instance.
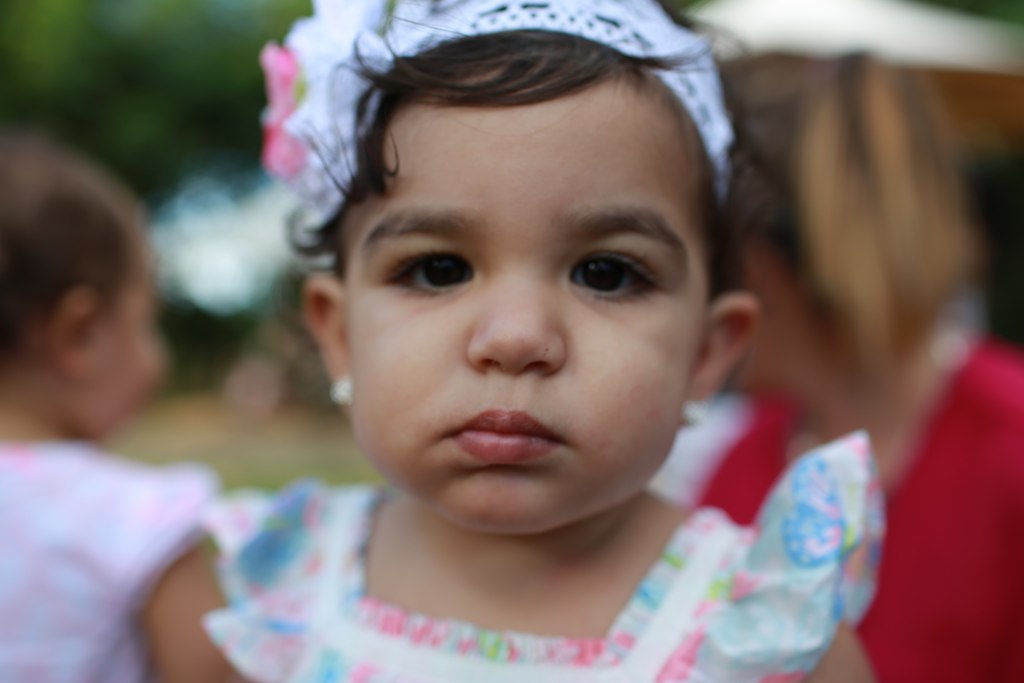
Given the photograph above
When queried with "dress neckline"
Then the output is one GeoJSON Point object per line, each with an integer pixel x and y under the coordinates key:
{"type": "Point", "coordinates": [466, 638]}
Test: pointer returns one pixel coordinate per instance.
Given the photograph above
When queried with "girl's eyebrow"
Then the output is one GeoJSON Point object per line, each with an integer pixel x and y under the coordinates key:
{"type": "Point", "coordinates": [420, 222]}
{"type": "Point", "coordinates": [591, 224]}
{"type": "Point", "coordinates": [614, 220]}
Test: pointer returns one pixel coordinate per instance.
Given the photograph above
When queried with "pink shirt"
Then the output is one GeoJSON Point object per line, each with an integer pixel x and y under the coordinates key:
{"type": "Point", "coordinates": [85, 537]}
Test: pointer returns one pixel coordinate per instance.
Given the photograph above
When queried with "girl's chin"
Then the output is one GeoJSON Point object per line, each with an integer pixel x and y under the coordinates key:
{"type": "Point", "coordinates": [503, 527]}
{"type": "Point", "coordinates": [506, 510]}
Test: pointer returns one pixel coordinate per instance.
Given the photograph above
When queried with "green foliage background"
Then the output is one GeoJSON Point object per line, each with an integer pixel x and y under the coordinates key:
{"type": "Point", "coordinates": [157, 89]}
{"type": "Point", "coordinates": [1007, 10]}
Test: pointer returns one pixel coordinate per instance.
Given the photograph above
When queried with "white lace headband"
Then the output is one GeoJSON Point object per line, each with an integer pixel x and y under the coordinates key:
{"type": "Point", "coordinates": [314, 83]}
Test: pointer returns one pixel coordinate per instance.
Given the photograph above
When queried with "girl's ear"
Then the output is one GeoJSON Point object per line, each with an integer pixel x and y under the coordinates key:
{"type": "Point", "coordinates": [730, 328]}
{"type": "Point", "coordinates": [323, 304]}
{"type": "Point", "coordinates": [72, 335]}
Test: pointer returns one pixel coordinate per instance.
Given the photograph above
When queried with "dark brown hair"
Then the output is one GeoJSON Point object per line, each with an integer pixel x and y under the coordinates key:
{"type": "Point", "coordinates": [63, 223]}
{"type": "Point", "coordinates": [504, 70]}
{"type": "Point", "coordinates": [846, 169]}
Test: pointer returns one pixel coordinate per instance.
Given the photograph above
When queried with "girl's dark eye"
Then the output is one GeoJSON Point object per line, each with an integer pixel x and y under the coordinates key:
{"type": "Point", "coordinates": [436, 272]}
{"type": "Point", "coordinates": [607, 274]}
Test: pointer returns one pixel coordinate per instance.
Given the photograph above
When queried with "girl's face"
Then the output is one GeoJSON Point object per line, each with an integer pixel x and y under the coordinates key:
{"type": "Point", "coordinates": [525, 312]}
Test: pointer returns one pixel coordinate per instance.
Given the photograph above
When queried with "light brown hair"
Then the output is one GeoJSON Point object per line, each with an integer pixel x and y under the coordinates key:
{"type": "Point", "coordinates": [64, 222]}
{"type": "Point", "coordinates": [848, 170]}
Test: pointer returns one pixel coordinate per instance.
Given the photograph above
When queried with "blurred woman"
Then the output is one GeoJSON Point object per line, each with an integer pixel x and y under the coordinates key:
{"type": "Point", "coordinates": [861, 247]}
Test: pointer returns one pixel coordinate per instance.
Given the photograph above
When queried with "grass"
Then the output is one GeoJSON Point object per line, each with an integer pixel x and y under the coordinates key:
{"type": "Point", "coordinates": [247, 451]}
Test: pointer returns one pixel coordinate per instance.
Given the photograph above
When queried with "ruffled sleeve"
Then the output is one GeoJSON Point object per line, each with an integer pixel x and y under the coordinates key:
{"type": "Point", "coordinates": [273, 551]}
{"type": "Point", "coordinates": [159, 510]}
{"type": "Point", "coordinates": [810, 566]}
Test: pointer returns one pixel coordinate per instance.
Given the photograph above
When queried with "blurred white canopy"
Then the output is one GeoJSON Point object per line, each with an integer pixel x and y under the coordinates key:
{"type": "Point", "coordinates": [222, 253]}
{"type": "Point", "coordinates": [904, 32]}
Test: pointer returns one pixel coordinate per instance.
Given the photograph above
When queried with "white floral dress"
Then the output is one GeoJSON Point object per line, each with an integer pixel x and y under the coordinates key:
{"type": "Point", "coordinates": [722, 604]}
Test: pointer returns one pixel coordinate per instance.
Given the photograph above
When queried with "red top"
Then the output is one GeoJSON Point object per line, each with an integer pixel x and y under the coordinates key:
{"type": "Point", "coordinates": [950, 601]}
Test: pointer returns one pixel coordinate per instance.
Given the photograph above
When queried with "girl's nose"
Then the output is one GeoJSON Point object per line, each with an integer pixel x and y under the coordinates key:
{"type": "Point", "coordinates": [518, 330]}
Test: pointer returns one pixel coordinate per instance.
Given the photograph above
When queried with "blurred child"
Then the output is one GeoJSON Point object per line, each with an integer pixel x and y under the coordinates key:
{"type": "Point", "coordinates": [98, 551]}
{"type": "Point", "coordinates": [861, 247]}
{"type": "Point", "coordinates": [529, 286]}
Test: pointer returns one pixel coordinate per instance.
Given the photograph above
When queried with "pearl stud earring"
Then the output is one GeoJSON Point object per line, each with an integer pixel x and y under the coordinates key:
{"type": "Point", "coordinates": [342, 391]}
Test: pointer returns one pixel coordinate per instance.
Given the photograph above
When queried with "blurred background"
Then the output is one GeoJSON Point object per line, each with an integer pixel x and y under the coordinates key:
{"type": "Point", "coordinates": [168, 93]}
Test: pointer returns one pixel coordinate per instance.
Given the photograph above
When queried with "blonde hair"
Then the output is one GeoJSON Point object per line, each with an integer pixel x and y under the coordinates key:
{"type": "Point", "coordinates": [866, 196]}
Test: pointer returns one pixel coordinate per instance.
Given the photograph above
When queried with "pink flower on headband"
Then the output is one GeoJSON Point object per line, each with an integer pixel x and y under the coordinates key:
{"type": "Point", "coordinates": [283, 155]}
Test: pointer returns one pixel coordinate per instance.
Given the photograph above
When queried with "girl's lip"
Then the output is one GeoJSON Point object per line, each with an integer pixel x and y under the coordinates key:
{"type": "Point", "coordinates": [506, 437]}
